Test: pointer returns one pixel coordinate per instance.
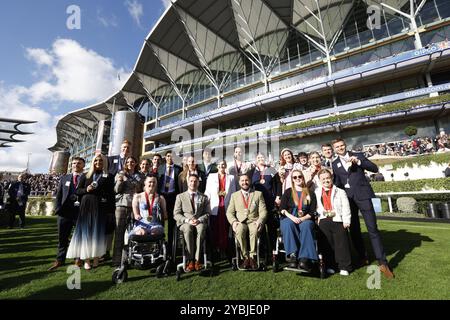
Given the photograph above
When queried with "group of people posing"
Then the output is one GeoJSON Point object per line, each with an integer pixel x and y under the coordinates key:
{"type": "Point", "coordinates": [306, 197]}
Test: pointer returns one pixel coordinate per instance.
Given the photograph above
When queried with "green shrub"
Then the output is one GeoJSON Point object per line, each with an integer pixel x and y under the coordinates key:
{"type": "Point", "coordinates": [390, 107]}
{"type": "Point", "coordinates": [410, 131]}
{"type": "Point", "coordinates": [411, 185]}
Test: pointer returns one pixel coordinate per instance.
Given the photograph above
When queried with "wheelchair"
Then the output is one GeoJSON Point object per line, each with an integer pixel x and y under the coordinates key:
{"type": "Point", "coordinates": [280, 263]}
{"type": "Point", "coordinates": [178, 239]}
{"type": "Point", "coordinates": [142, 252]}
{"type": "Point", "coordinates": [261, 253]}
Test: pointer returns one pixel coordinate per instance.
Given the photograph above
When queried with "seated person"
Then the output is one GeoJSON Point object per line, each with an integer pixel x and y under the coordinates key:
{"type": "Point", "coordinates": [191, 212]}
{"type": "Point", "coordinates": [298, 207]}
{"type": "Point", "coordinates": [334, 213]}
{"type": "Point", "coordinates": [149, 209]}
{"type": "Point", "coordinates": [247, 214]}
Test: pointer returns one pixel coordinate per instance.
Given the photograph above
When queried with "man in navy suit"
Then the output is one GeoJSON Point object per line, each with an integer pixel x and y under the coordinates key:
{"type": "Point", "coordinates": [168, 186]}
{"type": "Point", "coordinates": [66, 208]}
{"type": "Point", "coordinates": [18, 195]}
{"type": "Point", "coordinates": [348, 170]}
{"type": "Point", "coordinates": [117, 163]}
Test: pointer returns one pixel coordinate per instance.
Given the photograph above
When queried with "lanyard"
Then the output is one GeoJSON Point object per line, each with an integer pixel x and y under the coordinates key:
{"type": "Point", "coordinates": [246, 203]}
{"type": "Point", "coordinates": [150, 208]}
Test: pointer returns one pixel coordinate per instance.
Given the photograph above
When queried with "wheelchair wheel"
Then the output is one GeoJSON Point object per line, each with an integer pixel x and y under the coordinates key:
{"type": "Point", "coordinates": [119, 276]}
{"type": "Point", "coordinates": [234, 266]}
{"type": "Point", "coordinates": [160, 270]}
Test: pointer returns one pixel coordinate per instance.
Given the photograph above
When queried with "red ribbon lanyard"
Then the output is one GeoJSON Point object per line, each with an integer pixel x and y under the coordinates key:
{"type": "Point", "coordinates": [150, 208]}
{"type": "Point", "coordinates": [246, 204]}
{"type": "Point", "coordinates": [261, 174]}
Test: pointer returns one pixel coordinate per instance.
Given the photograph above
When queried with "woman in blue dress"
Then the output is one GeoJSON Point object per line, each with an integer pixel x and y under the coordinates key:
{"type": "Point", "coordinates": [96, 191]}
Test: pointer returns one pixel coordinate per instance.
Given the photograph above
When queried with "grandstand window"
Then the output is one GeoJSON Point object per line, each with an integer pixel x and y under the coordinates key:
{"type": "Point", "coordinates": [443, 7]}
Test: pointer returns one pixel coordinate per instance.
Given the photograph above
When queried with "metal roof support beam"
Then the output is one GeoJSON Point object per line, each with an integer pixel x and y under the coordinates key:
{"type": "Point", "coordinates": [412, 19]}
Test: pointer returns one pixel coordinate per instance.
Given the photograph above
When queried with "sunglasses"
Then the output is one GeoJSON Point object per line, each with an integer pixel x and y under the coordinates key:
{"type": "Point", "coordinates": [297, 177]}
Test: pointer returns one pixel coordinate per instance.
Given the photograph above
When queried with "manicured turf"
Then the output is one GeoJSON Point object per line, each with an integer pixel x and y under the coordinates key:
{"type": "Point", "coordinates": [418, 252]}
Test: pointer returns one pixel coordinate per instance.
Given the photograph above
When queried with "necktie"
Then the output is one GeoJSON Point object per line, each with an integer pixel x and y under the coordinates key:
{"type": "Point", "coordinates": [75, 181]}
{"type": "Point", "coordinates": [193, 201]}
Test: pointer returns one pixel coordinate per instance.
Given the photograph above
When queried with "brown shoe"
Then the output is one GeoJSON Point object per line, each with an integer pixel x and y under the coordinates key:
{"type": "Point", "coordinates": [78, 263]}
{"type": "Point", "coordinates": [198, 266]}
{"type": "Point", "coordinates": [386, 271]}
{"type": "Point", "coordinates": [253, 264]}
{"type": "Point", "coordinates": [55, 265]}
{"type": "Point", "coordinates": [190, 267]}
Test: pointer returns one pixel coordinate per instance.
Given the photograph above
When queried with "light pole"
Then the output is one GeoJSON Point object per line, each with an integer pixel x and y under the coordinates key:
{"type": "Point", "coordinates": [28, 162]}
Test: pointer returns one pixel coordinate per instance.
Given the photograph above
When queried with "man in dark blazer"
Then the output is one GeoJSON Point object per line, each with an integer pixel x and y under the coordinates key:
{"type": "Point", "coordinates": [117, 163]}
{"type": "Point", "coordinates": [348, 170]}
{"type": "Point", "coordinates": [18, 195]}
{"type": "Point", "coordinates": [66, 208]}
{"type": "Point", "coordinates": [207, 166]}
{"type": "Point", "coordinates": [168, 187]}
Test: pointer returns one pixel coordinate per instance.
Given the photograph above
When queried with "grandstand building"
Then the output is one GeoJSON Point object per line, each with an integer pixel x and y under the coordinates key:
{"type": "Point", "coordinates": [300, 72]}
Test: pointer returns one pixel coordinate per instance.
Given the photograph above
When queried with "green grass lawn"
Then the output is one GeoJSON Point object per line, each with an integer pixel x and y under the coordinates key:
{"type": "Point", "coordinates": [418, 252]}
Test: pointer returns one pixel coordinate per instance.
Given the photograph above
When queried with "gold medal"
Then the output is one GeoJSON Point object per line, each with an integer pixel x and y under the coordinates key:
{"type": "Point", "coordinates": [262, 181]}
{"type": "Point", "coordinates": [167, 185]}
{"type": "Point", "coordinates": [247, 211]}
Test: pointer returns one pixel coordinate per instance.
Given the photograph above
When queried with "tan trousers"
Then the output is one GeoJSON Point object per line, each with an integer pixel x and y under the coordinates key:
{"type": "Point", "coordinates": [188, 232]}
{"type": "Point", "coordinates": [242, 232]}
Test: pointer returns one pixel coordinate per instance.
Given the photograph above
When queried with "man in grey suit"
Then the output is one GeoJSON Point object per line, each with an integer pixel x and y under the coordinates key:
{"type": "Point", "coordinates": [191, 212]}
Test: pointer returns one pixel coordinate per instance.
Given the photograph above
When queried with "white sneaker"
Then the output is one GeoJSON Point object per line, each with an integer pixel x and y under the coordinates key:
{"type": "Point", "coordinates": [344, 273]}
{"type": "Point", "coordinates": [330, 271]}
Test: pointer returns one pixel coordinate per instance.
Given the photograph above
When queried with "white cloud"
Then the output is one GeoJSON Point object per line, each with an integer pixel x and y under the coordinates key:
{"type": "Point", "coordinates": [15, 158]}
{"type": "Point", "coordinates": [72, 74]}
{"type": "Point", "coordinates": [105, 21]}
{"type": "Point", "coordinates": [166, 3]}
{"type": "Point", "coordinates": [136, 10]}
{"type": "Point", "coordinates": [40, 56]}
{"type": "Point", "coordinates": [76, 74]}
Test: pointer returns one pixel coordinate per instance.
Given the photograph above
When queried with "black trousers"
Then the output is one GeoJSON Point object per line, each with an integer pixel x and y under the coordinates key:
{"type": "Point", "coordinates": [65, 226]}
{"type": "Point", "coordinates": [368, 213]}
{"type": "Point", "coordinates": [334, 244]}
{"type": "Point", "coordinates": [13, 211]}
{"type": "Point", "coordinates": [170, 205]}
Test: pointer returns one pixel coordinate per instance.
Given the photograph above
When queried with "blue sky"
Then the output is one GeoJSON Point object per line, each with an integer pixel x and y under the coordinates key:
{"type": "Point", "coordinates": [42, 62]}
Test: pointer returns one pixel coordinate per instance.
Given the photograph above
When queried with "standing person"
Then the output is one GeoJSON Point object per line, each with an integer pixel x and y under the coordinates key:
{"type": "Point", "coordinates": [156, 162]}
{"type": "Point", "coordinates": [96, 190]}
{"type": "Point", "coordinates": [298, 207]}
{"type": "Point", "coordinates": [348, 169]}
{"type": "Point", "coordinates": [303, 160]}
{"type": "Point", "coordinates": [239, 167]}
{"type": "Point", "coordinates": [191, 212]}
{"type": "Point", "coordinates": [207, 166]}
{"type": "Point", "coordinates": [247, 215]}
{"type": "Point", "coordinates": [287, 161]}
{"type": "Point", "coordinates": [18, 197]}
{"type": "Point", "coordinates": [334, 219]}
{"type": "Point", "coordinates": [191, 168]}
{"type": "Point", "coordinates": [127, 183]}
{"type": "Point", "coordinates": [310, 174]}
{"type": "Point", "coordinates": [117, 163]}
{"type": "Point", "coordinates": [447, 171]}
{"type": "Point", "coordinates": [67, 207]}
{"type": "Point", "coordinates": [263, 180]}
{"type": "Point", "coordinates": [144, 167]}
{"type": "Point", "coordinates": [168, 187]}
{"type": "Point", "coordinates": [327, 153]}
{"type": "Point", "coordinates": [219, 188]}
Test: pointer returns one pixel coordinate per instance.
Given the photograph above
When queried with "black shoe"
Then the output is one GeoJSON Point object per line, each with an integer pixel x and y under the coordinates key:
{"type": "Point", "coordinates": [304, 265]}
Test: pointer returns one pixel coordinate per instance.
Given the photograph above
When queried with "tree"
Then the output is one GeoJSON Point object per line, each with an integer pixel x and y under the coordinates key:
{"type": "Point", "coordinates": [410, 131]}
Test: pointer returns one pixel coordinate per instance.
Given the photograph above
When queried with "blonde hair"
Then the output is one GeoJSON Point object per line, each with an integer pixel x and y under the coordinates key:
{"type": "Point", "coordinates": [92, 170]}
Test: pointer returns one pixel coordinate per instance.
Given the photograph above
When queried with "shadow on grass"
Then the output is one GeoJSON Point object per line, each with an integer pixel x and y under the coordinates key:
{"type": "Point", "coordinates": [400, 242]}
{"type": "Point", "coordinates": [88, 289]}
{"type": "Point", "coordinates": [17, 263]}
